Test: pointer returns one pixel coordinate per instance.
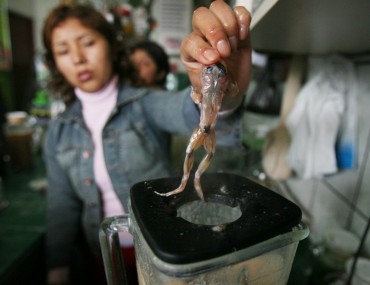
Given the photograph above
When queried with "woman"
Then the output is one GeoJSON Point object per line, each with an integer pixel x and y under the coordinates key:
{"type": "Point", "coordinates": [113, 135]}
{"type": "Point", "coordinates": [152, 64]}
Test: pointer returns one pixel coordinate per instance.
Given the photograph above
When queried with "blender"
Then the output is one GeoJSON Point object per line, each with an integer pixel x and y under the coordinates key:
{"type": "Point", "coordinates": [243, 233]}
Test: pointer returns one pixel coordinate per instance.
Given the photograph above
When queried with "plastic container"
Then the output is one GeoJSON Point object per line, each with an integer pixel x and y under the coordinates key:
{"type": "Point", "coordinates": [256, 128]}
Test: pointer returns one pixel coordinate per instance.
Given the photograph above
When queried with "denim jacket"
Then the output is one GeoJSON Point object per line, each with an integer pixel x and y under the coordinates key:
{"type": "Point", "coordinates": [135, 149]}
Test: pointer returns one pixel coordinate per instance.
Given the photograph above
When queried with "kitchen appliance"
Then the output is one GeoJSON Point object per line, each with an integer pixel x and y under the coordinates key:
{"type": "Point", "coordinates": [244, 233]}
{"type": "Point", "coordinates": [18, 132]}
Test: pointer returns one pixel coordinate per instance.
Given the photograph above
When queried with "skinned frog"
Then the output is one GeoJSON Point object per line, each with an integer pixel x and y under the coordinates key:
{"type": "Point", "coordinates": [214, 85]}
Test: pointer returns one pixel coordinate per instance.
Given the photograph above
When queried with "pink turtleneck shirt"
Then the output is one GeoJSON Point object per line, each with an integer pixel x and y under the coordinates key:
{"type": "Point", "coordinates": [96, 109]}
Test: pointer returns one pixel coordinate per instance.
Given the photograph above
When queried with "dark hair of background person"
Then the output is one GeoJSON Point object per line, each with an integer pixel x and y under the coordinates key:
{"type": "Point", "coordinates": [92, 19]}
{"type": "Point", "coordinates": [158, 54]}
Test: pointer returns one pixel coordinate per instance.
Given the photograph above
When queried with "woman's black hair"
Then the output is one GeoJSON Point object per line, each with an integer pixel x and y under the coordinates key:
{"type": "Point", "coordinates": [158, 54]}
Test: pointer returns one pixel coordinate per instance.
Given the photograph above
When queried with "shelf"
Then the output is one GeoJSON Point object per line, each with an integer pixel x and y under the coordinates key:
{"type": "Point", "coordinates": [260, 9]}
{"type": "Point", "coordinates": [314, 27]}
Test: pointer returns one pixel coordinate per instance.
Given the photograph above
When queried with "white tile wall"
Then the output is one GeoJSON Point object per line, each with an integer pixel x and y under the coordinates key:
{"type": "Point", "coordinates": [342, 200]}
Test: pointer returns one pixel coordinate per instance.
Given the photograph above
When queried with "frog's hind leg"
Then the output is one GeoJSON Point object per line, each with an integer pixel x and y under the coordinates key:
{"type": "Point", "coordinates": [196, 141]}
{"type": "Point", "coordinates": [210, 147]}
{"type": "Point", "coordinates": [188, 164]}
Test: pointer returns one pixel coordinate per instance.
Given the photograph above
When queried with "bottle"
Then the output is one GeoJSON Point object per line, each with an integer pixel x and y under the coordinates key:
{"type": "Point", "coordinates": [41, 111]}
{"type": "Point", "coordinates": [40, 107]}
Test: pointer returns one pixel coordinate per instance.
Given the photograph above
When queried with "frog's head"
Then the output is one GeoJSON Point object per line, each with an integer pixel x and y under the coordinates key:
{"type": "Point", "coordinates": [216, 69]}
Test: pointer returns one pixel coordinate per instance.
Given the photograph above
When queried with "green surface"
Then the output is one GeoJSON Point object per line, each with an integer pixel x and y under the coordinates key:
{"type": "Point", "coordinates": [22, 227]}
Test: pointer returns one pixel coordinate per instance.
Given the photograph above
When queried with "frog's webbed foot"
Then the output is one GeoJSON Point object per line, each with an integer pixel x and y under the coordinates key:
{"type": "Point", "coordinates": [179, 189]}
{"type": "Point", "coordinates": [188, 164]}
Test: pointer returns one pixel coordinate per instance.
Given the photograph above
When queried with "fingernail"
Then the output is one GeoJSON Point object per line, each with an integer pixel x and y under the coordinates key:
{"type": "Point", "coordinates": [243, 32]}
{"type": "Point", "coordinates": [210, 54]}
{"type": "Point", "coordinates": [233, 43]}
{"type": "Point", "coordinates": [223, 47]}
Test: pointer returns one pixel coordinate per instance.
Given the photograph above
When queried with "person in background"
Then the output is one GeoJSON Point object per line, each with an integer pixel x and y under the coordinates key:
{"type": "Point", "coordinates": [112, 134]}
{"type": "Point", "coordinates": [152, 64]}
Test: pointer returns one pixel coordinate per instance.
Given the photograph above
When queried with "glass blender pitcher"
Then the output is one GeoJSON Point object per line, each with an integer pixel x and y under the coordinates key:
{"type": "Point", "coordinates": [243, 233]}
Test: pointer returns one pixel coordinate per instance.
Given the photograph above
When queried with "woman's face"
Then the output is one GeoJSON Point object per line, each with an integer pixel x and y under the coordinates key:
{"type": "Point", "coordinates": [82, 55]}
{"type": "Point", "coordinates": [146, 68]}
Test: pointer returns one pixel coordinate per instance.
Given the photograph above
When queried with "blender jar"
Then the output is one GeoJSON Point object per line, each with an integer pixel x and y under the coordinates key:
{"type": "Point", "coordinates": [243, 233]}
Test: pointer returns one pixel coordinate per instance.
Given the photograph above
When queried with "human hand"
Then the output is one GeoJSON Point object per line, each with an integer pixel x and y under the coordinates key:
{"type": "Point", "coordinates": [220, 34]}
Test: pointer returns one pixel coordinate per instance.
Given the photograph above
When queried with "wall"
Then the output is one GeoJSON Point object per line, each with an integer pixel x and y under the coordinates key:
{"type": "Point", "coordinates": [23, 7]}
{"type": "Point", "coordinates": [36, 9]}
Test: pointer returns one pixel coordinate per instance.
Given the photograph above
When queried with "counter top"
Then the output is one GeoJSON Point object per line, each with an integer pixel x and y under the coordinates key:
{"type": "Point", "coordinates": [22, 228]}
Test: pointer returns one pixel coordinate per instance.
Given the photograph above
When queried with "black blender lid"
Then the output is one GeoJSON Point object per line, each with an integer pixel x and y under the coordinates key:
{"type": "Point", "coordinates": [264, 214]}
